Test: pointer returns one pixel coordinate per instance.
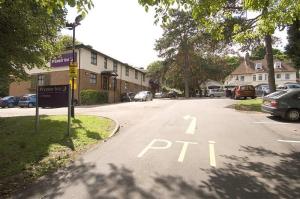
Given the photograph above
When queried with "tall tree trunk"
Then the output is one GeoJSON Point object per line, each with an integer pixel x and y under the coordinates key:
{"type": "Point", "coordinates": [270, 63]}
{"type": "Point", "coordinates": [186, 66]}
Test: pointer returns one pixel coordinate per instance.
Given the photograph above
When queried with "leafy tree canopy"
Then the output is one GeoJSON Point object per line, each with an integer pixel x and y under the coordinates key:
{"type": "Point", "coordinates": [259, 53]}
{"type": "Point", "coordinates": [29, 32]}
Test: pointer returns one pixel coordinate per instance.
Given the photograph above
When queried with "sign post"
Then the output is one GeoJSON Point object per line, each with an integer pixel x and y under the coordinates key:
{"type": "Point", "coordinates": [37, 117]}
{"type": "Point", "coordinates": [72, 75]}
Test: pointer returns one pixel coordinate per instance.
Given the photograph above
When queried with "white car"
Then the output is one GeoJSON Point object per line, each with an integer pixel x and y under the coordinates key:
{"type": "Point", "coordinates": [288, 86]}
{"type": "Point", "coordinates": [143, 96]}
{"type": "Point", "coordinates": [216, 92]}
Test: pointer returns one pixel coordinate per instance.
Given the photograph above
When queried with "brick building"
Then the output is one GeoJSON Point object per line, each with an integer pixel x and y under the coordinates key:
{"type": "Point", "coordinates": [96, 71]}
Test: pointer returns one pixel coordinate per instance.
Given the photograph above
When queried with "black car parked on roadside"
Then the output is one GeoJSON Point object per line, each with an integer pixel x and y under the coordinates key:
{"type": "Point", "coordinates": [284, 103]}
{"type": "Point", "coordinates": [9, 101]}
{"type": "Point", "coordinates": [127, 97]}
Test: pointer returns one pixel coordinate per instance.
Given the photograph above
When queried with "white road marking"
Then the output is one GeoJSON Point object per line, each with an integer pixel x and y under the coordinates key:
{"type": "Point", "coordinates": [289, 141]}
{"type": "Point", "coordinates": [168, 145]}
{"type": "Point", "coordinates": [267, 122]}
{"type": "Point", "coordinates": [192, 126]}
{"type": "Point", "coordinates": [212, 156]}
{"type": "Point", "coordinates": [183, 149]}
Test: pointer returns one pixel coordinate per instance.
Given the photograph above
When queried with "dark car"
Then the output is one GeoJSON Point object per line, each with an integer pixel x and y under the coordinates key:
{"type": "Point", "coordinates": [262, 90]}
{"type": "Point", "coordinates": [285, 103]}
{"type": "Point", "coordinates": [27, 101]}
{"type": "Point", "coordinates": [9, 101]}
{"type": "Point", "coordinates": [127, 97]}
{"type": "Point", "coordinates": [172, 94]}
{"type": "Point", "coordinates": [244, 92]}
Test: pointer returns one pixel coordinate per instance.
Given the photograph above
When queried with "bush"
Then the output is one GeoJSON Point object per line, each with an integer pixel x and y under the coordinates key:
{"type": "Point", "coordinates": [89, 97]}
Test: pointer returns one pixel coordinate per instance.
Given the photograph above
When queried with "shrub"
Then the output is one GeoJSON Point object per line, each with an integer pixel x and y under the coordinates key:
{"type": "Point", "coordinates": [89, 97]}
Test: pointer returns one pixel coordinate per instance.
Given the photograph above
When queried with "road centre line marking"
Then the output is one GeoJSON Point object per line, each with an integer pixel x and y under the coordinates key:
{"type": "Point", "coordinates": [289, 141]}
{"type": "Point", "coordinates": [212, 157]}
{"type": "Point", "coordinates": [149, 146]}
{"type": "Point", "coordinates": [192, 126]}
{"type": "Point", "coordinates": [183, 149]}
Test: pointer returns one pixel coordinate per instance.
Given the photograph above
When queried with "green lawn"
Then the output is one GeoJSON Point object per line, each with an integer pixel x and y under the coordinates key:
{"type": "Point", "coordinates": [26, 155]}
{"type": "Point", "coordinates": [249, 105]}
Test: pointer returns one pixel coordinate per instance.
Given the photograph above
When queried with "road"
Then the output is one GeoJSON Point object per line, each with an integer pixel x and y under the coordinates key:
{"type": "Point", "coordinates": [194, 148]}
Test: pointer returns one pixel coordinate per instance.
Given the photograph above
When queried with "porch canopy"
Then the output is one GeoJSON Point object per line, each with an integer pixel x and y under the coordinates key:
{"type": "Point", "coordinates": [109, 73]}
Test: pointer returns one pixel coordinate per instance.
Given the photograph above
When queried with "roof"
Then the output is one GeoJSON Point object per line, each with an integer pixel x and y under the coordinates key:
{"type": "Point", "coordinates": [249, 68]}
{"type": "Point", "coordinates": [104, 55]}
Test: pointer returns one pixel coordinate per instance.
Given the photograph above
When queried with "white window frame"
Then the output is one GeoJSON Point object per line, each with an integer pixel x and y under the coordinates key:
{"type": "Point", "coordinates": [93, 58]}
{"type": "Point", "coordinates": [278, 74]}
{"type": "Point", "coordinates": [93, 78]}
{"type": "Point", "coordinates": [254, 78]}
{"type": "Point", "coordinates": [287, 76]}
{"type": "Point", "coordinates": [258, 66]}
{"type": "Point", "coordinates": [242, 78]}
{"type": "Point", "coordinates": [41, 80]}
{"type": "Point", "coordinates": [277, 64]}
{"type": "Point", "coordinates": [260, 77]}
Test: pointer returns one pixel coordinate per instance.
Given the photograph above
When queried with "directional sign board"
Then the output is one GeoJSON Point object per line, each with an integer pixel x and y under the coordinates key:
{"type": "Point", "coordinates": [73, 70]}
{"type": "Point", "coordinates": [53, 96]}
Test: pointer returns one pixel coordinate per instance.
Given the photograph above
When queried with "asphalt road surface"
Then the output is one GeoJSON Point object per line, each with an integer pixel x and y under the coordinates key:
{"type": "Point", "coordinates": [180, 149]}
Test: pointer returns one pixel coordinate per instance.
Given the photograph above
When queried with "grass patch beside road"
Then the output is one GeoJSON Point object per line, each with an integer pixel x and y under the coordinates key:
{"type": "Point", "coordinates": [26, 155]}
{"type": "Point", "coordinates": [248, 105]}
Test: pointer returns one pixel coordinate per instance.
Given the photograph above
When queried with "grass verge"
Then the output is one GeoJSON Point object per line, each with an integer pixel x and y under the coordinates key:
{"type": "Point", "coordinates": [26, 155]}
{"type": "Point", "coordinates": [248, 105]}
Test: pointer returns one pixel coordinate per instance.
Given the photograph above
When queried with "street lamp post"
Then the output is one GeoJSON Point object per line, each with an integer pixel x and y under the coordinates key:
{"type": "Point", "coordinates": [72, 26]}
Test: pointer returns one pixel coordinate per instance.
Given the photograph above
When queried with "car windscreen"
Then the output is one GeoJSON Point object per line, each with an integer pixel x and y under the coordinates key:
{"type": "Point", "coordinates": [6, 98]}
{"type": "Point", "coordinates": [23, 98]}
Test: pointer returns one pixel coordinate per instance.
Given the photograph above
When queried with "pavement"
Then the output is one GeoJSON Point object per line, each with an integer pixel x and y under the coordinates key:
{"type": "Point", "coordinates": [193, 148]}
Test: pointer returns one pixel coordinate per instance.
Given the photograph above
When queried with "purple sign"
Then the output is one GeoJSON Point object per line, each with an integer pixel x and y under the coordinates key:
{"type": "Point", "coordinates": [53, 96]}
{"type": "Point", "coordinates": [63, 60]}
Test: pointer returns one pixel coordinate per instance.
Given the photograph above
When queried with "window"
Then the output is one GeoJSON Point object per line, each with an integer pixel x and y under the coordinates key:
{"type": "Point", "coordinates": [258, 66]}
{"type": "Point", "coordinates": [93, 78]}
{"type": "Point", "coordinates": [260, 77]}
{"type": "Point", "coordinates": [105, 62]}
{"type": "Point", "coordinates": [278, 76]}
{"type": "Point", "coordinates": [266, 76]}
{"type": "Point", "coordinates": [127, 71]}
{"type": "Point", "coordinates": [254, 77]}
{"type": "Point", "coordinates": [94, 58]}
{"type": "Point", "coordinates": [126, 85]}
{"type": "Point", "coordinates": [143, 76]}
{"type": "Point", "coordinates": [287, 76]}
{"type": "Point", "coordinates": [136, 74]}
{"type": "Point", "coordinates": [115, 66]}
{"type": "Point", "coordinates": [277, 65]}
{"type": "Point", "coordinates": [242, 78]}
{"type": "Point", "coordinates": [237, 77]}
{"type": "Point", "coordinates": [41, 80]}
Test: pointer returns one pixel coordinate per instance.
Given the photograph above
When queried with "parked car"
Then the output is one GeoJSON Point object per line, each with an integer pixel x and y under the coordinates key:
{"type": "Point", "coordinates": [159, 95]}
{"type": "Point", "coordinates": [127, 97]}
{"type": "Point", "coordinates": [27, 101]}
{"type": "Point", "coordinates": [172, 94]}
{"type": "Point", "coordinates": [217, 92]}
{"type": "Point", "coordinates": [9, 101]}
{"type": "Point", "coordinates": [288, 86]}
{"type": "Point", "coordinates": [244, 92]}
{"type": "Point", "coordinates": [285, 103]}
{"type": "Point", "coordinates": [143, 96]}
{"type": "Point", "coordinates": [262, 90]}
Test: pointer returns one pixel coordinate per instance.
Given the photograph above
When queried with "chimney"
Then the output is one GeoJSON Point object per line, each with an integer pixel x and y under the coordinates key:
{"type": "Point", "coordinates": [247, 59]}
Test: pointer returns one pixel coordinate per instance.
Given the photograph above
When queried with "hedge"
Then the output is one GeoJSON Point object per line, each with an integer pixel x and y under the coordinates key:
{"type": "Point", "coordinates": [89, 97]}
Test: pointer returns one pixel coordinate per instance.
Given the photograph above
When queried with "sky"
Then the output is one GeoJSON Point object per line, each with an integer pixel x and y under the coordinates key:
{"type": "Point", "coordinates": [121, 29]}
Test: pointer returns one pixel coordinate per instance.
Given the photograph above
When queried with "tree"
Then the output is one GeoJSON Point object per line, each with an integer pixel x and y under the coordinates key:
{"type": "Point", "coordinates": [293, 47]}
{"type": "Point", "coordinates": [259, 53]}
{"type": "Point", "coordinates": [156, 72]}
{"type": "Point", "coordinates": [216, 16]}
{"type": "Point", "coordinates": [66, 41]}
{"type": "Point", "coordinates": [176, 43]}
{"type": "Point", "coordinates": [29, 32]}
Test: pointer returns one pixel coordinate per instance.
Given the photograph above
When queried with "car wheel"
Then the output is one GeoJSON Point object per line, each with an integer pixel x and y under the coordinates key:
{"type": "Point", "coordinates": [293, 115]}
{"type": "Point", "coordinates": [10, 105]}
{"type": "Point", "coordinates": [30, 105]}
{"type": "Point", "coordinates": [212, 96]}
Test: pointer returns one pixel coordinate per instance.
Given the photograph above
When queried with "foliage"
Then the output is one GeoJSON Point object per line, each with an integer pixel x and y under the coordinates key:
{"type": "Point", "coordinates": [293, 47]}
{"type": "Point", "coordinates": [259, 53]}
{"type": "Point", "coordinates": [27, 155]}
{"type": "Point", "coordinates": [249, 105]}
{"type": "Point", "coordinates": [29, 32]}
{"type": "Point", "coordinates": [230, 19]}
{"type": "Point", "coordinates": [156, 71]}
{"type": "Point", "coordinates": [89, 97]}
{"type": "Point", "coordinates": [4, 85]}
{"type": "Point", "coordinates": [66, 41]}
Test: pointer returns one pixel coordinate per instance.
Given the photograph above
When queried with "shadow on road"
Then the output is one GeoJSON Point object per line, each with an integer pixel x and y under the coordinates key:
{"type": "Point", "coordinates": [279, 119]}
{"type": "Point", "coordinates": [240, 177]}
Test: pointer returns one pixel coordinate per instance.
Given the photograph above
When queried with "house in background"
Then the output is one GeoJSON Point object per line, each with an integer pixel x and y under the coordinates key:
{"type": "Point", "coordinates": [97, 71]}
{"type": "Point", "coordinates": [255, 72]}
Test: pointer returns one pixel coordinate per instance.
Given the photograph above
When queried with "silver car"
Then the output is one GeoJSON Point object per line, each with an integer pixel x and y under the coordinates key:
{"type": "Point", "coordinates": [143, 96]}
{"type": "Point", "coordinates": [216, 92]}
